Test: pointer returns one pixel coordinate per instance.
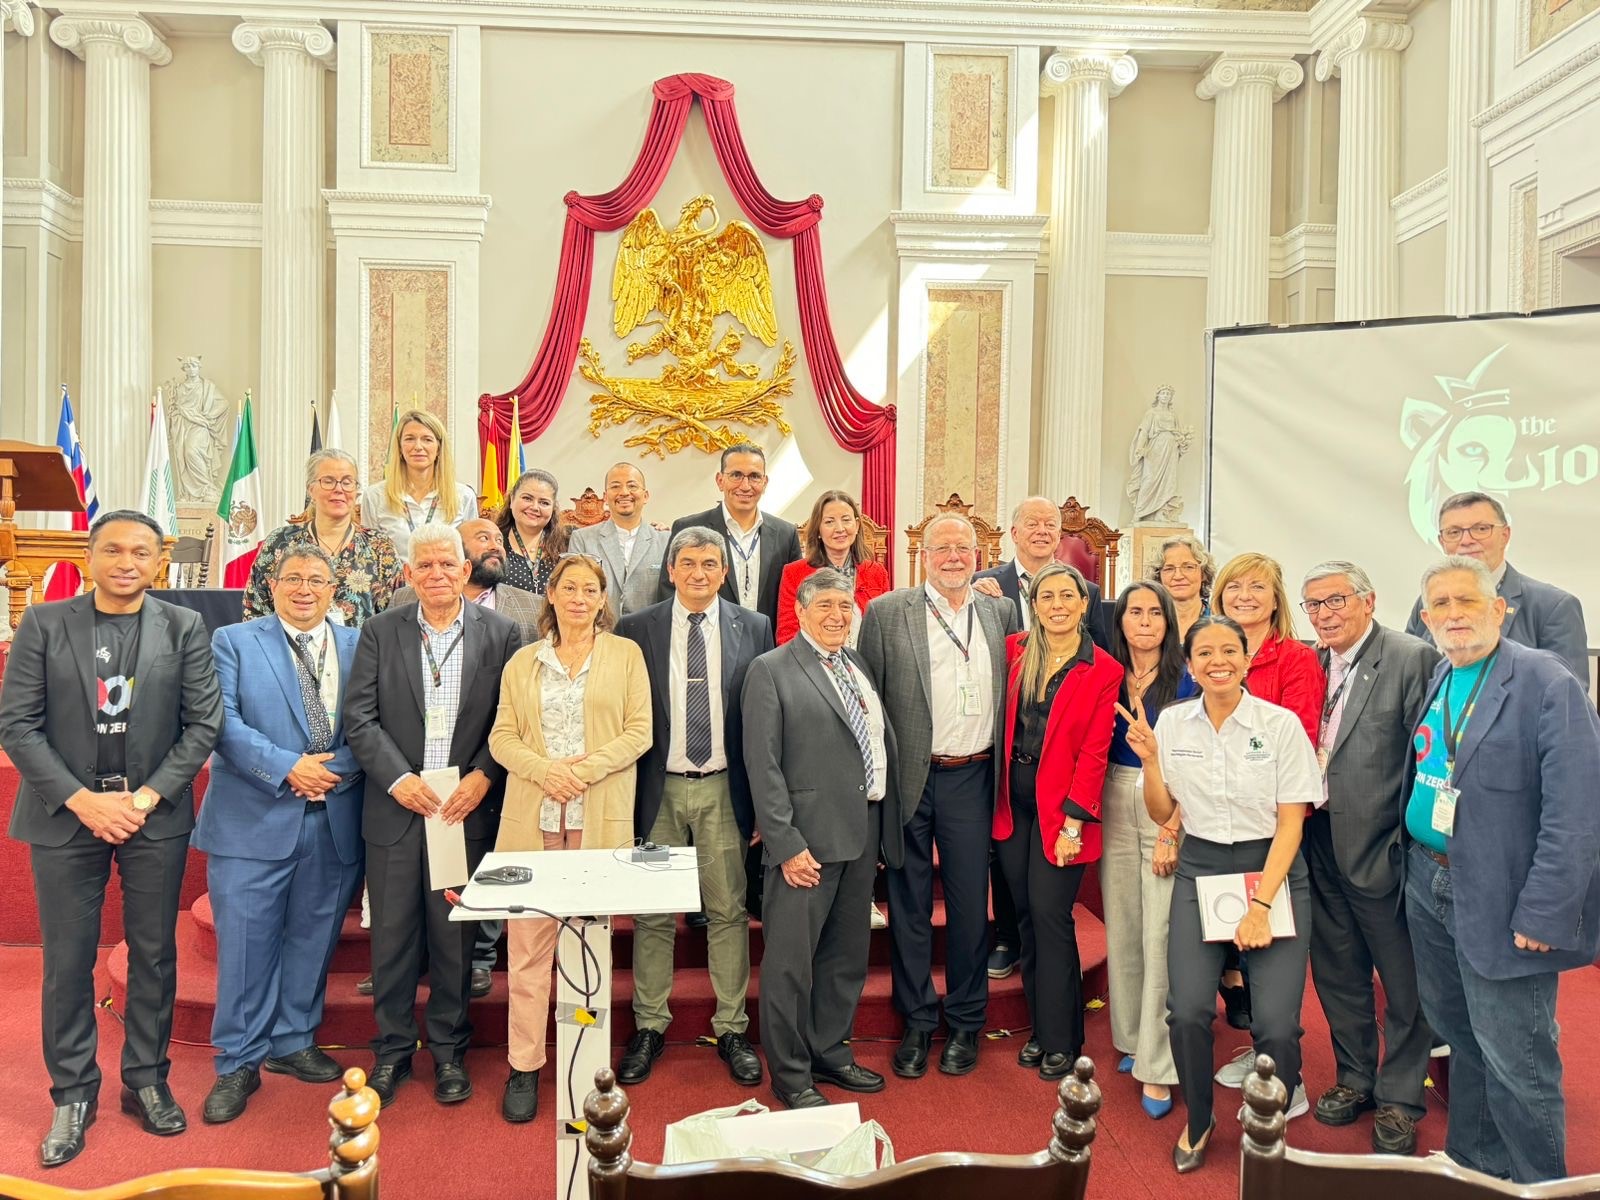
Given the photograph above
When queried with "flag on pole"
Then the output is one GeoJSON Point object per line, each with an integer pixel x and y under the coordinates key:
{"type": "Point", "coordinates": [316, 430]}
{"type": "Point", "coordinates": [160, 500]}
{"type": "Point", "coordinates": [493, 497]}
{"type": "Point", "coordinates": [516, 436]}
{"type": "Point", "coordinates": [334, 437]}
{"type": "Point", "coordinates": [65, 580]}
{"type": "Point", "coordinates": [240, 506]}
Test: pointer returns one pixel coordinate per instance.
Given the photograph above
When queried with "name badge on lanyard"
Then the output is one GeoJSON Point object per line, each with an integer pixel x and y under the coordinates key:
{"type": "Point", "coordinates": [436, 727]}
{"type": "Point", "coordinates": [1446, 796]}
{"type": "Point", "coordinates": [969, 696]}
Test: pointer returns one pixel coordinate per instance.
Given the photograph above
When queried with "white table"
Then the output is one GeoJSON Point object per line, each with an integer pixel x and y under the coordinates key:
{"type": "Point", "coordinates": [589, 887]}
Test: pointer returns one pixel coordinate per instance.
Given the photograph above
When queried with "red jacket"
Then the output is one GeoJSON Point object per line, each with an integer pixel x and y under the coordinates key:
{"type": "Point", "coordinates": [1077, 737]}
{"type": "Point", "coordinates": [872, 581]}
{"type": "Point", "coordinates": [1287, 673]}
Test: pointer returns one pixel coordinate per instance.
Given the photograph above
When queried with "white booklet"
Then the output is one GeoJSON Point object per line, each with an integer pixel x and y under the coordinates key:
{"type": "Point", "coordinates": [1224, 900]}
{"type": "Point", "coordinates": [447, 844]}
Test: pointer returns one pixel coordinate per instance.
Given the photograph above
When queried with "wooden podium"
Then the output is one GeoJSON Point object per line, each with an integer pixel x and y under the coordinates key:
{"type": "Point", "coordinates": [36, 478]}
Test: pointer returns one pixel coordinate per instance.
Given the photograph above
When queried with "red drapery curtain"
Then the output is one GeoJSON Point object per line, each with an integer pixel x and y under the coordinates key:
{"type": "Point", "coordinates": [857, 424]}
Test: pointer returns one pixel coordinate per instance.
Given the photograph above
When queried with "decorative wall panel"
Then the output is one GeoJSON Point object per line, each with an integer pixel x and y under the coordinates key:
{"type": "Point", "coordinates": [1544, 20]}
{"type": "Point", "coordinates": [964, 392]}
{"type": "Point", "coordinates": [969, 146]}
{"type": "Point", "coordinates": [408, 350]}
{"type": "Point", "coordinates": [409, 88]}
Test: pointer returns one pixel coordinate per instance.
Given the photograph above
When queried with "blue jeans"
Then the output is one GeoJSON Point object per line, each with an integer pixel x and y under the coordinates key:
{"type": "Point", "coordinates": [1507, 1115]}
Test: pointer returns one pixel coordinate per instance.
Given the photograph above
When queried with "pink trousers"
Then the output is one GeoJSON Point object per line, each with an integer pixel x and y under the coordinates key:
{"type": "Point", "coordinates": [530, 953]}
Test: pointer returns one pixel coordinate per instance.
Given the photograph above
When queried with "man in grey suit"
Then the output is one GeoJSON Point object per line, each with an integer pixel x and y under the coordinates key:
{"type": "Point", "coordinates": [820, 753]}
{"type": "Point", "coordinates": [629, 548]}
{"type": "Point", "coordinates": [1541, 615]}
{"type": "Point", "coordinates": [937, 655]}
{"type": "Point", "coordinates": [1377, 685]}
{"type": "Point", "coordinates": [110, 707]}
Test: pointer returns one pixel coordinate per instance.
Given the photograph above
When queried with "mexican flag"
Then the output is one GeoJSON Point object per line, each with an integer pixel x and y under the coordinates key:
{"type": "Point", "coordinates": [240, 507]}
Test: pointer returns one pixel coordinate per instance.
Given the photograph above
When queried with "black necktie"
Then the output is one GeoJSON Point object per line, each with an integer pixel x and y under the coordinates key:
{"type": "Point", "coordinates": [311, 694]}
{"type": "Point", "coordinates": [697, 700]}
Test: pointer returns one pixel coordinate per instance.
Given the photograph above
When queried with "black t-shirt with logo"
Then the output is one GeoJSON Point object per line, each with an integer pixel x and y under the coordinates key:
{"type": "Point", "coordinates": [116, 648]}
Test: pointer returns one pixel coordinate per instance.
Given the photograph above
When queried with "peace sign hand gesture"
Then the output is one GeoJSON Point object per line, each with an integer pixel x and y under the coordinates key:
{"type": "Point", "coordinates": [1141, 737]}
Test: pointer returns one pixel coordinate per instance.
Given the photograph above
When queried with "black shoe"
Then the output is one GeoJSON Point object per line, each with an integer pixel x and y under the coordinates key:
{"type": "Point", "coordinates": [697, 920]}
{"type": "Point", "coordinates": [310, 1065]}
{"type": "Point", "coordinates": [911, 1059]}
{"type": "Point", "coordinates": [1003, 960]}
{"type": "Point", "coordinates": [1236, 1002]}
{"type": "Point", "coordinates": [960, 1053]}
{"type": "Point", "coordinates": [644, 1047]}
{"type": "Point", "coordinates": [385, 1078]}
{"type": "Point", "coordinates": [853, 1078]}
{"type": "Point", "coordinates": [743, 1065]}
{"type": "Point", "coordinates": [482, 981]}
{"type": "Point", "coordinates": [810, 1098]}
{"type": "Point", "coordinates": [229, 1094]}
{"type": "Point", "coordinates": [1393, 1132]}
{"type": "Point", "coordinates": [1030, 1055]}
{"type": "Point", "coordinates": [1341, 1105]}
{"type": "Point", "coordinates": [364, 986]}
{"type": "Point", "coordinates": [450, 1083]}
{"type": "Point", "coordinates": [521, 1100]}
{"type": "Point", "coordinates": [1193, 1160]}
{"type": "Point", "coordinates": [64, 1142]}
{"type": "Point", "coordinates": [1056, 1066]}
{"type": "Point", "coordinates": [157, 1111]}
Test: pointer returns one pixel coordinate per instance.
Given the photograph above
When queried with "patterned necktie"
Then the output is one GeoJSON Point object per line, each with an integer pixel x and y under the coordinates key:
{"type": "Point", "coordinates": [697, 699]}
{"type": "Point", "coordinates": [855, 711]}
{"type": "Point", "coordinates": [1334, 710]}
{"type": "Point", "coordinates": [311, 694]}
{"type": "Point", "coordinates": [1024, 582]}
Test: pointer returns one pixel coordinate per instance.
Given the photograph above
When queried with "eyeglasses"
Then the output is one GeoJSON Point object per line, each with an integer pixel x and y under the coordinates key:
{"type": "Point", "coordinates": [1455, 533]}
{"type": "Point", "coordinates": [315, 582]}
{"type": "Point", "coordinates": [951, 551]}
{"type": "Point", "coordinates": [1189, 568]}
{"type": "Point", "coordinates": [343, 484]}
{"type": "Point", "coordinates": [1334, 603]}
{"type": "Point", "coordinates": [738, 477]}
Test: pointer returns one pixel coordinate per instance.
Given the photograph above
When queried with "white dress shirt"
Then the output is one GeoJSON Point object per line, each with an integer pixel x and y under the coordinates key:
{"type": "Point", "coordinates": [1230, 782]}
{"type": "Point", "coordinates": [957, 733]}
{"type": "Point", "coordinates": [625, 541]}
{"type": "Point", "coordinates": [875, 738]}
{"type": "Point", "coordinates": [376, 513]}
{"type": "Point", "coordinates": [744, 558]}
{"type": "Point", "coordinates": [329, 683]}
{"type": "Point", "coordinates": [1024, 579]}
{"type": "Point", "coordinates": [561, 723]}
{"type": "Point", "coordinates": [678, 704]}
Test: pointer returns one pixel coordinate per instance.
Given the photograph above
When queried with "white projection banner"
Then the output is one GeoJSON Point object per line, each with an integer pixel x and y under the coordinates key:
{"type": "Point", "coordinates": [1339, 442]}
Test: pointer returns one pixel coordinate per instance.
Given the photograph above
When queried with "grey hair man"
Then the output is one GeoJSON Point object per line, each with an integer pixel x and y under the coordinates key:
{"type": "Point", "coordinates": [1036, 536]}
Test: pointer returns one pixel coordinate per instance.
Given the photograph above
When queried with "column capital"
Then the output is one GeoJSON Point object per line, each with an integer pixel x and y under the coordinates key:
{"type": "Point", "coordinates": [77, 31]}
{"type": "Point", "coordinates": [17, 15]}
{"type": "Point", "coordinates": [1065, 68]}
{"type": "Point", "coordinates": [1373, 32]}
{"type": "Point", "coordinates": [254, 38]}
{"type": "Point", "coordinates": [1226, 72]}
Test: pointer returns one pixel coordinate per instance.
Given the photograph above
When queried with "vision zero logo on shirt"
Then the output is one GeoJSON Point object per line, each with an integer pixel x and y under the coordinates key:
{"type": "Point", "coordinates": [116, 697]}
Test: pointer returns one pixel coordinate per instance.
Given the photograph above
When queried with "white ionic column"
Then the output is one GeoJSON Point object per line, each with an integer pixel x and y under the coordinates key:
{"type": "Point", "coordinates": [14, 15]}
{"type": "Point", "coordinates": [1083, 83]}
{"type": "Point", "coordinates": [293, 248]}
{"type": "Point", "coordinates": [113, 401]}
{"type": "Point", "coordinates": [1245, 90]}
{"type": "Point", "coordinates": [1366, 57]}
{"type": "Point", "coordinates": [1467, 233]}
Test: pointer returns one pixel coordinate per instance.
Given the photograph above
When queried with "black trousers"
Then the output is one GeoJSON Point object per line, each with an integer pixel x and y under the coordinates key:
{"type": "Point", "coordinates": [954, 813]}
{"type": "Point", "coordinates": [1006, 932]}
{"type": "Point", "coordinates": [1044, 894]}
{"type": "Point", "coordinates": [70, 882]}
{"type": "Point", "coordinates": [409, 920]}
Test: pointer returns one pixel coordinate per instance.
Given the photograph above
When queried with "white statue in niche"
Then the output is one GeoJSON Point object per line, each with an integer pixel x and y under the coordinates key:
{"type": "Point", "coordinates": [1158, 444]}
{"type": "Point", "coordinates": [197, 428]}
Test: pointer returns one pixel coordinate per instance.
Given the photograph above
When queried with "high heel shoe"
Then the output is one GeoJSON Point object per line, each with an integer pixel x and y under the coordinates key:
{"type": "Point", "coordinates": [1125, 1067]}
{"type": "Point", "coordinates": [1192, 1160]}
{"type": "Point", "coordinates": [1156, 1109]}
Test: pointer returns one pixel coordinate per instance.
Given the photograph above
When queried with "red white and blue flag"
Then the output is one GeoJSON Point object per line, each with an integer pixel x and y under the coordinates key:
{"type": "Point", "coordinates": [65, 581]}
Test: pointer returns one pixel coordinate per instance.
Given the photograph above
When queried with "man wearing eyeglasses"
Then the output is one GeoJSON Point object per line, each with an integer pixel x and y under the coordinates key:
{"type": "Point", "coordinates": [281, 828]}
{"type": "Point", "coordinates": [1541, 615]}
{"type": "Point", "coordinates": [632, 551]}
{"type": "Point", "coordinates": [1377, 686]}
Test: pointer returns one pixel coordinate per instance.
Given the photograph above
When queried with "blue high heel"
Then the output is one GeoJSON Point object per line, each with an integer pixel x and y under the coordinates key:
{"type": "Point", "coordinates": [1156, 1109]}
{"type": "Point", "coordinates": [1125, 1067]}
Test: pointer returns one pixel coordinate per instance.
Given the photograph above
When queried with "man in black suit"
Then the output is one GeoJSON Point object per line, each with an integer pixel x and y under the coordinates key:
{"type": "Point", "coordinates": [692, 780]}
{"type": "Point", "coordinates": [110, 707]}
{"type": "Point", "coordinates": [825, 784]}
{"type": "Point", "coordinates": [422, 697]}
{"type": "Point", "coordinates": [1036, 535]}
{"type": "Point", "coordinates": [759, 545]}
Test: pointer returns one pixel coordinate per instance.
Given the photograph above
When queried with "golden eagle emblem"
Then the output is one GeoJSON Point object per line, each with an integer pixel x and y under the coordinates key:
{"type": "Point", "coordinates": [690, 276]}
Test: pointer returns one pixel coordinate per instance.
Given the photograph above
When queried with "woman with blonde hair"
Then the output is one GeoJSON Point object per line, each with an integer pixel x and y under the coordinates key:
{"type": "Point", "coordinates": [419, 482]}
{"type": "Point", "coordinates": [535, 536]}
{"type": "Point", "coordinates": [574, 717]}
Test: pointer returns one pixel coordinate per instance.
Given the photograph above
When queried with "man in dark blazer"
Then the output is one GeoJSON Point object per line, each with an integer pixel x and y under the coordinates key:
{"type": "Point", "coordinates": [692, 781]}
{"type": "Point", "coordinates": [281, 828]}
{"type": "Point", "coordinates": [110, 707]}
{"type": "Point", "coordinates": [423, 694]}
{"type": "Point", "coordinates": [1541, 615]}
{"type": "Point", "coordinates": [1501, 843]}
{"type": "Point", "coordinates": [1377, 681]}
{"type": "Point", "coordinates": [759, 544]}
{"type": "Point", "coordinates": [937, 655]}
{"type": "Point", "coordinates": [823, 776]}
{"type": "Point", "coordinates": [1036, 535]}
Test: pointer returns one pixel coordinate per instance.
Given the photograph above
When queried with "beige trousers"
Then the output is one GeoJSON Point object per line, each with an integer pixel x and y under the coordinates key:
{"type": "Point", "coordinates": [530, 955]}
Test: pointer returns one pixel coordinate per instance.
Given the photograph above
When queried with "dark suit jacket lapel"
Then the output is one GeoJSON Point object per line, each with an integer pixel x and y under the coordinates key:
{"type": "Point", "coordinates": [1011, 585]}
{"type": "Point", "coordinates": [806, 656]}
{"type": "Point", "coordinates": [917, 630]}
{"type": "Point", "coordinates": [1511, 591]}
{"type": "Point", "coordinates": [732, 631]}
{"type": "Point", "coordinates": [1491, 699]}
{"type": "Point", "coordinates": [80, 635]}
{"type": "Point", "coordinates": [276, 650]}
{"type": "Point", "coordinates": [658, 657]}
{"type": "Point", "coordinates": [773, 542]}
{"type": "Point", "coordinates": [474, 650]}
{"type": "Point", "coordinates": [730, 587]}
{"type": "Point", "coordinates": [152, 639]}
{"type": "Point", "coordinates": [1365, 678]}
{"type": "Point", "coordinates": [410, 638]}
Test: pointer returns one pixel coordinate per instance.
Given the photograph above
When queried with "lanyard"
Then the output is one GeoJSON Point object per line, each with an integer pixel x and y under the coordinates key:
{"type": "Point", "coordinates": [1454, 733]}
{"type": "Point", "coordinates": [427, 648]}
{"type": "Point", "coordinates": [405, 511]}
{"type": "Point", "coordinates": [745, 555]}
{"type": "Point", "coordinates": [1332, 702]}
{"type": "Point", "coordinates": [305, 659]}
{"type": "Point", "coordinates": [966, 650]}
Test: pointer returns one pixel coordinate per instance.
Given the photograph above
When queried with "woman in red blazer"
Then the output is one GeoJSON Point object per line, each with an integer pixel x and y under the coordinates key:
{"type": "Point", "coordinates": [1060, 707]}
{"type": "Point", "coordinates": [835, 538]}
{"type": "Point", "coordinates": [1283, 671]}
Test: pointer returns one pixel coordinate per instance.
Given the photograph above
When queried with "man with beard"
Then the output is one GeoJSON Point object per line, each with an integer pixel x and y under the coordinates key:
{"type": "Point", "coordinates": [627, 546]}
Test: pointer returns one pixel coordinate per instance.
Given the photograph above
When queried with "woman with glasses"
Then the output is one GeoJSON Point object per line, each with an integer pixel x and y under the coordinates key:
{"type": "Point", "coordinates": [574, 717]}
{"type": "Point", "coordinates": [419, 482]}
{"type": "Point", "coordinates": [366, 567]}
{"type": "Point", "coordinates": [1185, 568]}
{"type": "Point", "coordinates": [835, 537]}
{"type": "Point", "coordinates": [535, 536]}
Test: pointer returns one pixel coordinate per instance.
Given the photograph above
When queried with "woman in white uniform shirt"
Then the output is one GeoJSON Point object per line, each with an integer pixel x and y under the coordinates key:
{"type": "Point", "coordinates": [419, 482]}
{"type": "Point", "coordinates": [1240, 773]}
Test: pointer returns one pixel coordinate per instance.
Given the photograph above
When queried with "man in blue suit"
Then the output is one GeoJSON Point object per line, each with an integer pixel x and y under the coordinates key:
{"type": "Point", "coordinates": [281, 826]}
{"type": "Point", "coordinates": [1501, 835]}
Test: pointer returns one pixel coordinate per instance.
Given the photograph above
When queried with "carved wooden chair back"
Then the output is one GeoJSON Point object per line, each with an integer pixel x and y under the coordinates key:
{"type": "Point", "coordinates": [1078, 528]}
{"type": "Point", "coordinates": [189, 563]}
{"type": "Point", "coordinates": [988, 537]}
{"type": "Point", "coordinates": [587, 509]}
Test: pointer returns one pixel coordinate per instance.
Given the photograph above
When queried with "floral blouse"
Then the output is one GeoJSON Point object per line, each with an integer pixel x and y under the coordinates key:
{"type": "Point", "coordinates": [367, 573]}
{"type": "Point", "coordinates": [561, 723]}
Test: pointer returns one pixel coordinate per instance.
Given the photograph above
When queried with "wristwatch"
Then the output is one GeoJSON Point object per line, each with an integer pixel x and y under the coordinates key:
{"type": "Point", "coordinates": [1071, 835]}
{"type": "Point", "coordinates": [143, 801]}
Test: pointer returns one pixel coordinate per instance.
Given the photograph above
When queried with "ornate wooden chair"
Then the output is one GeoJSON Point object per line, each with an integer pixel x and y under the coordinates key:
{"type": "Point", "coordinates": [351, 1173]}
{"type": "Point", "coordinates": [587, 509]}
{"type": "Point", "coordinates": [1089, 544]}
{"type": "Point", "coordinates": [877, 539]}
{"type": "Point", "coordinates": [988, 537]}
{"type": "Point", "coordinates": [189, 563]}
{"type": "Point", "coordinates": [1058, 1172]}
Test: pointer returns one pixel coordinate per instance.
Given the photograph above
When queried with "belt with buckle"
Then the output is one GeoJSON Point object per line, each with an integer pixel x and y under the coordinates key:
{"type": "Point", "coordinates": [1442, 859]}
{"type": "Point", "coordinates": [698, 774]}
{"type": "Point", "coordinates": [1026, 760]}
{"type": "Point", "coordinates": [959, 760]}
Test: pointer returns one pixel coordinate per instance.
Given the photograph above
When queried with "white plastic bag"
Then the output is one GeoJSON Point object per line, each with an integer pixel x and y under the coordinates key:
{"type": "Point", "coordinates": [705, 1136]}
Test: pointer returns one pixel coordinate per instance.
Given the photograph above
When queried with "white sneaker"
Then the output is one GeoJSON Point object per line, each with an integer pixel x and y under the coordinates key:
{"type": "Point", "coordinates": [1299, 1106]}
{"type": "Point", "coordinates": [1235, 1073]}
{"type": "Point", "coordinates": [366, 909]}
{"type": "Point", "coordinates": [879, 920]}
{"type": "Point", "coordinates": [1439, 1052]}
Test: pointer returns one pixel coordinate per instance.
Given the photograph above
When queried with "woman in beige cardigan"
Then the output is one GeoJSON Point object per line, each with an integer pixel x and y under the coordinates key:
{"type": "Point", "coordinates": [574, 716]}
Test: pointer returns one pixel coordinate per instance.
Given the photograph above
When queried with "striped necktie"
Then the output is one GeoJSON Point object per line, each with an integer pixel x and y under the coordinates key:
{"type": "Point", "coordinates": [855, 711]}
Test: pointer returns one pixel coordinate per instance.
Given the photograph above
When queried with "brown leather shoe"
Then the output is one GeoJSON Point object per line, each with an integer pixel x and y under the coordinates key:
{"type": "Point", "coordinates": [1393, 1132]}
